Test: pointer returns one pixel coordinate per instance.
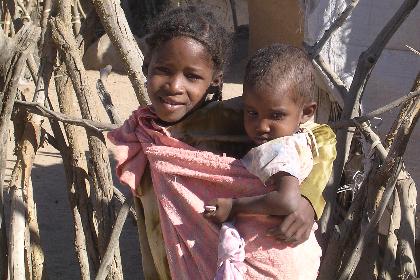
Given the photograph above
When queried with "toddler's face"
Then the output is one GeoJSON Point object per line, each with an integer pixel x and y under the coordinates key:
{"type": "Point", "coordinates": [179, 73]}
{"type": "Point", "coordinates": [270, 114]}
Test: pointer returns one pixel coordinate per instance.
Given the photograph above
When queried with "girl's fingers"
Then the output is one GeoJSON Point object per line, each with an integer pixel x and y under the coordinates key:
{"type": "Point", "coordinates": [301, 237]}
{"type": "Point", "coordinates": [283, 230]}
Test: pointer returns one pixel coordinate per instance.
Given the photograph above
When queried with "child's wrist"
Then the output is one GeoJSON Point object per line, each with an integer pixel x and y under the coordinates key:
{"type": "Point", "coordinates": [234, 209]}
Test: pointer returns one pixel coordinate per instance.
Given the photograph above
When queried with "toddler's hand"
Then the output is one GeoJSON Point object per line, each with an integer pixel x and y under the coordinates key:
{"type": "Point", "coordinates": [221, 212]}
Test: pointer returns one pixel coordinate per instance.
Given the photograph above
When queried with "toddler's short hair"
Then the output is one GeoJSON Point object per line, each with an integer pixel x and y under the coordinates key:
{"type": "Point", "coordinates": [285, 66]}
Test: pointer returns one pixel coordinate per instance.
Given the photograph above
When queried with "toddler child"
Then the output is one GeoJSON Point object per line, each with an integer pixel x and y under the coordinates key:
{"type": "Point", "coordinates": [277, 102]}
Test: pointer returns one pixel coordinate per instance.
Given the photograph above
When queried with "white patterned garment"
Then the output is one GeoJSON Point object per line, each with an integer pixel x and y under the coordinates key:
{"type": "Point", "coordinates": [290, 154]}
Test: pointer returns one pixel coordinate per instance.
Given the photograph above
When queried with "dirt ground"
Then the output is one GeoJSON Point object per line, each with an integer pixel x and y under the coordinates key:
{"type": "Point", "coordinates": [56, 229]}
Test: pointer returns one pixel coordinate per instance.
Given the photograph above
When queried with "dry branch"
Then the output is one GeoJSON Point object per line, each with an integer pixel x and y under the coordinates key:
{"type": "Point", "coordinates": [314, 50]}
{"type": "Point", "coordinates": [76, 18]}
{"type": "Point", "coordinates": [75, 167]}
{"type": "Point", "coordinates": [367, 61]}
{"type": "Point", "coordinates": [116, 26]}
{"type": "Point", "coordinates": [24, 42]}
{"type": "Point", "coordinates": [28, 146]}
{"type": "Point", "coordinates": [113, 241]}
{"type": "Point", "coordinates": [377, 112]}
{"type": "Point", "coordinates": [326, 70]}
{"type": "Point", "coordinates": [106, 97]}
{"type": "Point", "coordinates": [121, 198]}
{"type": "Point", "coordinates": [393, 161]}
{"type": "Point", "coordinates": [35, 108]}
{"type": "Point", "coordinates": [368, 230]}
{"type": "Point", "coordinates": [73, 158]}
{"type": "Point", "coordinates": [406, 235]}
{"type": "Point", "coordinates": [103, 190]}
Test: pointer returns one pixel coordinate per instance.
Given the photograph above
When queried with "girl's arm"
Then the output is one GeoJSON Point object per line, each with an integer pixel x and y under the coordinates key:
{"type": "Point", "coordinates": [284, 200]}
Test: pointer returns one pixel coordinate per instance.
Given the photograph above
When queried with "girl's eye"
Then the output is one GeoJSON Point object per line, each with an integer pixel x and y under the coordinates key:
{"type": "Point", "coordinates": [251, 114]}
{"type": "Point", "coordinates": [192, 77]}
{"type": "Point", "coordinates": [161, 69]}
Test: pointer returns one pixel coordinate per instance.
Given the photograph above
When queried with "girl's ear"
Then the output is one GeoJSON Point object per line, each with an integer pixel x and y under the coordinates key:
{"type": "Point", "coordinates": [217, 79]}
{"type": "Point", "coordinates": [214, 91]}
{"type": "Point", "coordinates": [308, 111]}
{"type": "Point", "coordinates": [145, 66]}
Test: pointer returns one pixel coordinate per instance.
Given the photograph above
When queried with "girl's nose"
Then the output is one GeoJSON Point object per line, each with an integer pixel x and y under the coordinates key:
{"type": "Point", "coordinates": [176, 85]}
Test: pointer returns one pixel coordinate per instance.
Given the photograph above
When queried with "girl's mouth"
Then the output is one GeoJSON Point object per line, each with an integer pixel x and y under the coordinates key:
{"type": "Point", "coordinates": [170, 104]}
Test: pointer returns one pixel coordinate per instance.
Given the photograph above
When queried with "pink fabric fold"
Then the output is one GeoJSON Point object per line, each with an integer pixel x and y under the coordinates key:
{"type": "Point", "coordinates": [231, 254]}
{"type": "Point", "coordinates": [184, 180]}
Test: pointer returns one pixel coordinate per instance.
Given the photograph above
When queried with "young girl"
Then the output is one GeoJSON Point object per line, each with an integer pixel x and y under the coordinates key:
{"type": "Point", "coordinates": [278, 101]}
{"type": "Point", "coordinates": [157, 156]}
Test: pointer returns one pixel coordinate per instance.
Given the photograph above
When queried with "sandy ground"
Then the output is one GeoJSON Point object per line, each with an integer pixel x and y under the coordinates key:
{"type": "Point", "coordinates": [50, 194]}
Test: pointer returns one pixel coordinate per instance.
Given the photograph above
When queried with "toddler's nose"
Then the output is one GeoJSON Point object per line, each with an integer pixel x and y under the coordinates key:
{"type": "Point", "coordinates": [263, 127]}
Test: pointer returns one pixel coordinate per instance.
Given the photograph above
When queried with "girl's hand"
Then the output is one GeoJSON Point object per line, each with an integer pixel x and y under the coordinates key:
{"type": "Point", "coordinates": [222, 211]}
{"type": "Point", "coordinates": [296, 227]}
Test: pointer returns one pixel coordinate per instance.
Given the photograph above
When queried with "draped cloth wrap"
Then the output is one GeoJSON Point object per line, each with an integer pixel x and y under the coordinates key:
{"type": "Point", "coordinates": [174, 179]}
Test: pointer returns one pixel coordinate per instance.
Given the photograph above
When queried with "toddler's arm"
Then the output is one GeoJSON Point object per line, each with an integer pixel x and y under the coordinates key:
{"type": "Point", "coordinates": [284, 200]}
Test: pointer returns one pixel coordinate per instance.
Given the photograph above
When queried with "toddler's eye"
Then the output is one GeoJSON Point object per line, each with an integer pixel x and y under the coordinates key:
{"type": "Point", "coordinates": [277, 116]}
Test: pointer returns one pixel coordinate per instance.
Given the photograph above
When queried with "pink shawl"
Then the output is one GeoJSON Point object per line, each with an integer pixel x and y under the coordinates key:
{"type": "Point", "coordinates": [184, 179]}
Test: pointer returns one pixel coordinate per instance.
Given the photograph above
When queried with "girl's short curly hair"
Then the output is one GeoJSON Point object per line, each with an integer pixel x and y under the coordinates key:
{"type": "Point", "coordinates": [196, 22]}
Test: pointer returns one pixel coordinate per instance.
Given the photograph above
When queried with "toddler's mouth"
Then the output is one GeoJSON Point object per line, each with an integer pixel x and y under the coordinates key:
{"type": "Point", "coordinates": [261, 140]}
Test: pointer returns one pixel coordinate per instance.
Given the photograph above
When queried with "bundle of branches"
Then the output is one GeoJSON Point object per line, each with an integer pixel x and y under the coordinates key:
{"type": "Point", "coordinates": [355, 246]}
{"type": "Point", "coordinates": [385, 182]}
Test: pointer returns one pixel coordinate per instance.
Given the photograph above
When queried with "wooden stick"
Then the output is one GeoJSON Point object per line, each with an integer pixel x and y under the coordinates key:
{"type": "Point", "coordinates": [100, 160]}
{"type": "Point", "coordinates": [121, 198]}
{"type": "Point", "coordinates": [401, 115]}
{"type": "Point", "coordinates": [116, 26]}
{"type": "Point", "coordinates": [113, 242]}
{"type": "Point", "coordinates": [3, 236]}
{"type": "Point", "coordinates": [406, 235]}
{"type": "Point", "coordinates": [368, 230]}
{"type": "Point", "coordinates": [387, 266]}
{"type": "Point", "coordinates": [314, 50]}
{"type": "Point", "coordinates": [106, 97]}
{"type": "Point", "coordinates": [76, 18]}
{"type": "Point", "coordinates": [367, 61]}
{"type": "Point", "coordinates": [26, 16]}
{"type": "Point", "coordinates": [75, 167]}
{"type": "Point", "coordinates": [326, 70]}
{"type": "Point", "coordinates": [393, 161]}
{"type": "Point", "coordinates": [25, 40]}
{"type": "Point", "coordinates": [35, 108]}
{"type": "Point", "coordinates": [377, 112]}
{"type": "Point", "coordinates": [47, 6]}
{"type": "Point", "coordinates": [234, 15]}
{"type": "Point", "coordinates": [79, 6]}
{"type": "Point", "coordinates": [28, 144]}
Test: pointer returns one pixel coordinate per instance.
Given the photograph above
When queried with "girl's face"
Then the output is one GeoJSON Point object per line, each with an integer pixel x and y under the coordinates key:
{"type": "Point", "coordinates": [179, 74]}
{"type": "Point", "coordinates": [271, 113]}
